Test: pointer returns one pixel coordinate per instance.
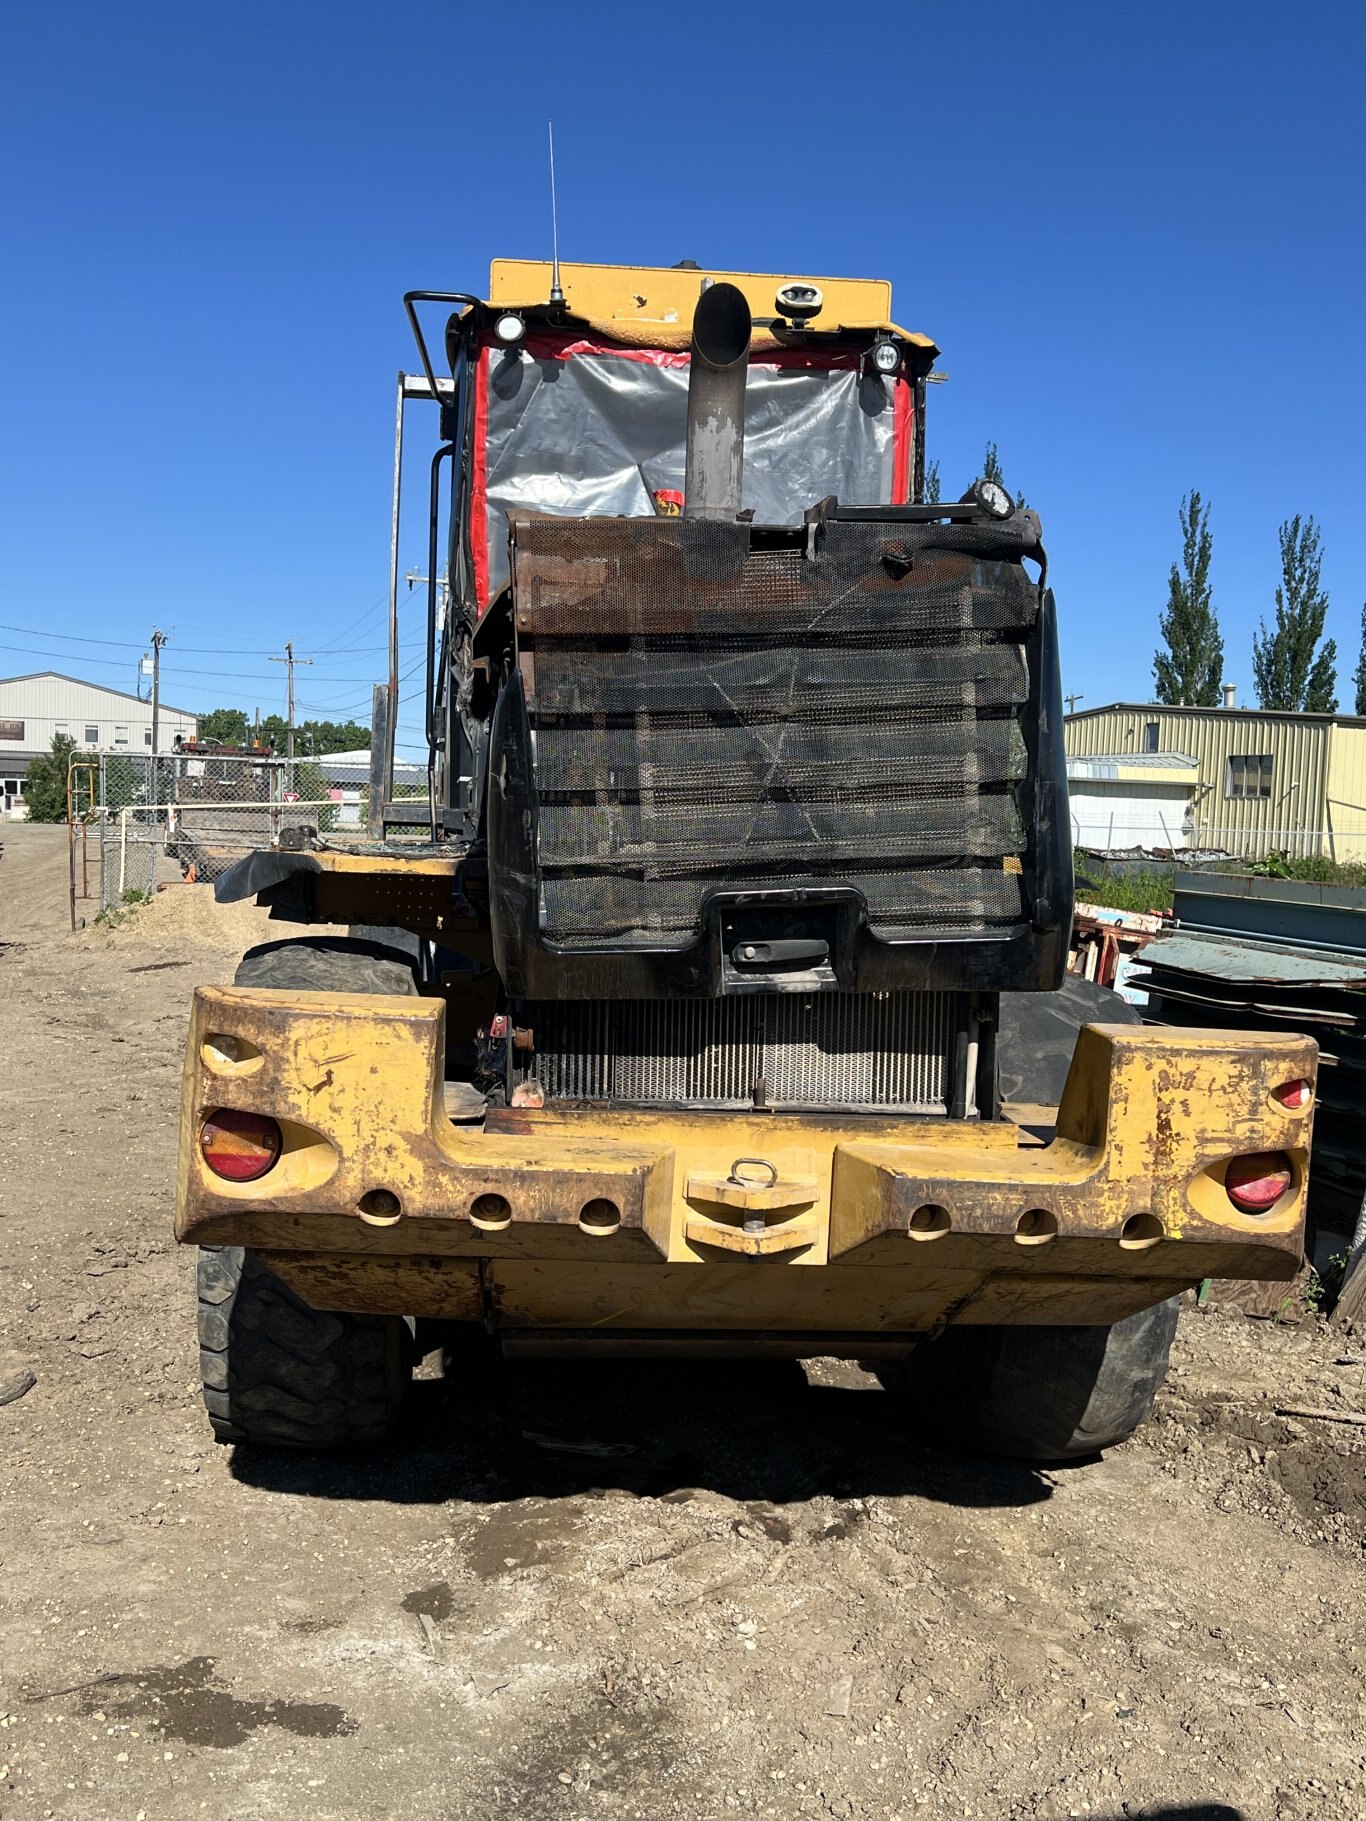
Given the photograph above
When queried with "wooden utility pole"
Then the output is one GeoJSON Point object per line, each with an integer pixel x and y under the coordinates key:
{"type": "Point", "coordinates": [158, 640]}
{"type": "Point", "coordinates": [289, 661]}
{"type": "Point", "coordinates": [1072, 701]}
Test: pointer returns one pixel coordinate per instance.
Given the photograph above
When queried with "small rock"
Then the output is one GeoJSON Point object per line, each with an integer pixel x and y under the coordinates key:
{"type": "Point", "coordinates": [19, 1386]}
{"type": "Point", "coordinates": [840, 1698]}
{"type": "Point", "coordinates": [488, 1682]}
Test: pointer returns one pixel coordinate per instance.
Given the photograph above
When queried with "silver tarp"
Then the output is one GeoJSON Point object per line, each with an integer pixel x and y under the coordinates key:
{"type": "Point", "coordinates": [601, 433]}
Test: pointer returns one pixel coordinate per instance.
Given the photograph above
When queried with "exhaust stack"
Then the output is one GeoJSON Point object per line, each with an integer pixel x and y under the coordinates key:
{"type": "Point", "coordinates": [716, 403]}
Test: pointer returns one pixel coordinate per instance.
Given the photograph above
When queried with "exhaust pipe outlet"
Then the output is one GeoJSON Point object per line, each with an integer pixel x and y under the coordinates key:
{"type": "Point", "coordinates": [716, 403]}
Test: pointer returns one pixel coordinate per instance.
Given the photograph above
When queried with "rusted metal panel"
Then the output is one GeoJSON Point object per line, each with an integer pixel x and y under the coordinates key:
{"type": "Point", "coordinates": [357, 1283]}
{"type": "Point", "coordinates": [1284, 911]}
{"type": "Point", "coordinates": [1255, 963]}
{"type": "Point", "coordinates": [615, 577]}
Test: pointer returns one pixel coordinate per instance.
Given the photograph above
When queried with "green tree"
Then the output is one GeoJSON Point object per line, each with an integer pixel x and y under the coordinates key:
{"type": "Point", "coordinates": [272, 731]}
{"type": "Point", "coordinates": [1360, 677]}
{"type": "Point", "coordinates": [317, 737]}
{"type": "Point", "coordinates": [932, 484]}
{"type": "Point", "coordinates": [45, 785]}
{"type": "Point", "coordinates": [1190, 669]}
{"type": "Point", "coordinates": [1290, 669]}
{"type": "Point", "coordinates": [322, 737]}
{"type": "Point", "coordinates": [226, 724]}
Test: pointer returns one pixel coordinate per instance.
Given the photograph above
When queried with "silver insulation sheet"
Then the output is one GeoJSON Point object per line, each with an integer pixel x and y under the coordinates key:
{"type": "Point", "coordinates": [601, 433]}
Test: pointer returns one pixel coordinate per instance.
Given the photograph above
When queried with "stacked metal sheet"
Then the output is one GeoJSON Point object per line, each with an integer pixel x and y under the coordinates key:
{"type": "Point", "coordinates": [1265, 954]}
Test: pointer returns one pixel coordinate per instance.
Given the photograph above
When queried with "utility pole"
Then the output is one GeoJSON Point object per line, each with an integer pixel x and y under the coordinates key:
{"type": "Point", "coordinates": [158, 640]}
{"type": "Point", "coordinates": [1072, 701]}
{"type": "Point", "coordinates": [289, 661]}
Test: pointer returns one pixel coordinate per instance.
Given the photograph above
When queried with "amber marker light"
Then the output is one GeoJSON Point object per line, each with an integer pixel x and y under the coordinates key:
{"type": "Point", "coordinates": [239, 1146]}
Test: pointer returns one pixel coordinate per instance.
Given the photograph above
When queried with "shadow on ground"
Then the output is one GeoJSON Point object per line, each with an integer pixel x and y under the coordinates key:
{"type": "Point", "coordinates": [555, 1428]}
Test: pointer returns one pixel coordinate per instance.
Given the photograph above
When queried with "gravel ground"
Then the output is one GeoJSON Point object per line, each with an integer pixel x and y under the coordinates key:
{"type": "Point", "coordinates": [756, 1597]}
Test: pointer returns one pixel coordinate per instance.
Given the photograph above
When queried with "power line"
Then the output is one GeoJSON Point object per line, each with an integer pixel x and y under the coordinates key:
{"type": "Point", "coordinates": [203, 651]}
{"type": "Point", "coordinates": [241, 676]}
{"type": "Point", "coordinates": [348, 630]}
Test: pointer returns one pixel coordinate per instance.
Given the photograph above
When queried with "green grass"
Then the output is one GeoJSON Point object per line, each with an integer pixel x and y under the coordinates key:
{"type": "Point", "coordinates": [1141, 892]}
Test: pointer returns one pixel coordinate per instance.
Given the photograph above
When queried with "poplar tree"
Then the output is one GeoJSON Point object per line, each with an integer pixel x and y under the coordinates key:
{"type": "Point", "coordinates": [1360, 678]}
{"type": "Point", "coordinates": [1190, 667]}
{"type": "Point", "coordinates": [932, 484]}
{"type": "Point", "coordinates": [1292, 671]}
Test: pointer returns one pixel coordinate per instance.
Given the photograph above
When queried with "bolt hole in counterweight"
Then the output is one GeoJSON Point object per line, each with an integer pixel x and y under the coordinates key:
{"type": "Point", "coordinates": [929, 1222]}
{"type": "Point", "coordinates": [1035, 1227]}
{"type": "Point", "coordinates": [600, 1217]}
{"type": "Point", "coordinates": [491, 1213]}
{"type": "Point", "coordinates": [1141, 1231]}
{"type": "Point", "coordinates": [380, 1207]}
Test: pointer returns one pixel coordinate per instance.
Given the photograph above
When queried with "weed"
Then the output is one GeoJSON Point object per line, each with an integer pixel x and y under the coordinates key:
{"type": "Point", "coordinates": [1311, 869]}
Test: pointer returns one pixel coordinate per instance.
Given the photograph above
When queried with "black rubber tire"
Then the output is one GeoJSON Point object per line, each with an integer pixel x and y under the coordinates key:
{"type": "Point", "coordinates": [275, 1370]}
{"type": "Point", "coordinates": [328, 964]}
{"type": "Point", "coordinates": [278, 1372]}
{"type": "Point", "coordinates": [1038, 1032]}
{"type": "Point", "coordinates": [1038, 1394]}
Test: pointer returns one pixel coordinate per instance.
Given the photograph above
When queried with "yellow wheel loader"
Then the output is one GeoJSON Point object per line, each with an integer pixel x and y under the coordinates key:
{"type": "Point", "coordinates": [669, 1021]}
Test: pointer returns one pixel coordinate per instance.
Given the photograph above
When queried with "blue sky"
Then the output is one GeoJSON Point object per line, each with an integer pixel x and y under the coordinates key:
{"type": "Point", "coordinates": [1136, 234]}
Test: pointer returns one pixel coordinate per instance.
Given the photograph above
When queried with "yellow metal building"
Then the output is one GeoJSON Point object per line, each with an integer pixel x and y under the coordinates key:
{"type": "Point", "coordinates": [1260, 780]}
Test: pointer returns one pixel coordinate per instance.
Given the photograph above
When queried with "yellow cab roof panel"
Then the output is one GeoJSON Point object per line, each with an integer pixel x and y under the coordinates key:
{"type": "Point", "coordinates": [637, 300]}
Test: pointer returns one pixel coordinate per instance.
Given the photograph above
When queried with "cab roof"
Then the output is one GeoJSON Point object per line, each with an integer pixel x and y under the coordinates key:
{"type": "Point", "coordinates": [653, 305]}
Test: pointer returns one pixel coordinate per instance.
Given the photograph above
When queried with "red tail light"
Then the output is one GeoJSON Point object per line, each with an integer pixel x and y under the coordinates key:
{"type": "Point", "coordinates": [1294, 1094]}
{"type": "Point", "coordinates": [239, 1146]}
{"type": "Point", "coordinates": [1256, 1183]}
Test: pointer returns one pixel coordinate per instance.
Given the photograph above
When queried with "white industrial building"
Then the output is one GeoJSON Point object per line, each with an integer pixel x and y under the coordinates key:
{"type": "Point", "coordinates": [1132, 799]}
{"type": "Point", "coordinates": [100, 720]}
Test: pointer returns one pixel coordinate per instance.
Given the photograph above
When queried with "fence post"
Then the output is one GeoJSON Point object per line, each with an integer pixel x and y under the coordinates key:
{"type": "Point", "coordinates": [379, 748]}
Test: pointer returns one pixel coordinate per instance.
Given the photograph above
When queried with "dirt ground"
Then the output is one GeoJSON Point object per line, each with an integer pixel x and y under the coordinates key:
{"type": "Point", "coordinates": [758, 1598]}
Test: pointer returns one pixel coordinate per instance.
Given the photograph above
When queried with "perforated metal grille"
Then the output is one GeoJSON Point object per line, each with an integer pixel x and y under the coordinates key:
{"type": "Point", "coordinates": [826, 1049]}
{"type": "Point", "coordinates": [714, 716]}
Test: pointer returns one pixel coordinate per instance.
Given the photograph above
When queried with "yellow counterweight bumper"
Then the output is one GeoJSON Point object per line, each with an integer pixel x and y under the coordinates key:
{"type": "Point", "coordinates": [654, 1221]}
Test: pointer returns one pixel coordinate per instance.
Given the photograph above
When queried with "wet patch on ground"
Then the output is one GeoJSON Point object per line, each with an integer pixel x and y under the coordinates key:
{"type": "Point", "coordinates": [187, 1702]}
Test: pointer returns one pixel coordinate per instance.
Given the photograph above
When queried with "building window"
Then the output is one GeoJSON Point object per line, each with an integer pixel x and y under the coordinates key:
{"type": "Point", "coordinates": [147, 736]}
{"type": "Point", "coordinates": [92, 735]}
{"type": "Point", "coordinates": [121, 736]}
{"type": "Point", "coordinates": [1150, 736]}
{"type": "Point", "coordinates": [63, 729]}
{"type": "Point", "coordinates": [1249, 775]}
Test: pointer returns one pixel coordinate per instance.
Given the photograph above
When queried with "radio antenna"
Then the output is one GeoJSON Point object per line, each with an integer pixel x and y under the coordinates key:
{"type": "Point", "coordinates": [556, 294]}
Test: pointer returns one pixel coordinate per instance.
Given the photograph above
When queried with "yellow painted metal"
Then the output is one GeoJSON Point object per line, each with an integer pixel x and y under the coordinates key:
{"type": "Point", "coordinates": [666, 296]}
{"type": "Point", "coordinates": [383, 866]}
{"type": "Point", "coordinates": [738, 1192]}
{"type": "Point", "coordinates": [1345, 799]}
{"type": "Point", "coordinates": [794, 1233]}
{"type": "Point", "coordinates": [919, 1220]}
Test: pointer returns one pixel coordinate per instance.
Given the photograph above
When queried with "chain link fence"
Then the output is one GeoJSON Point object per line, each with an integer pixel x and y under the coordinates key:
{"type": "Point", "coordinates": [193, 814]}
